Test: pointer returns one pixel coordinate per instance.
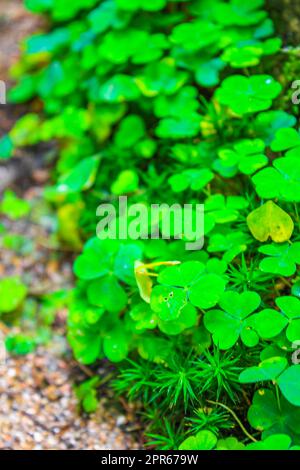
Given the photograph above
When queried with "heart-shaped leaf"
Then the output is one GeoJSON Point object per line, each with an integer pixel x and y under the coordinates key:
{"type": "Point", "coordinates": [203, 440]}
{"type": "Point", "coordinates": [270, 221]}
{"type": "Point", "coordinates": [269, 369]}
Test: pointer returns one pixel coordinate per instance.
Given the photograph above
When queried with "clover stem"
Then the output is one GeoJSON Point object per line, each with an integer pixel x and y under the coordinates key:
{"type": "Point", "coordinates": [235, 417]}
{"type": "Point", "coordinates": [286, 282]}
{"type": "Point", "coordinates": [277, 396]}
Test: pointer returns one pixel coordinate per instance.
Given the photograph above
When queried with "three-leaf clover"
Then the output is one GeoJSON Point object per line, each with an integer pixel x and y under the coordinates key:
{"type": "Point", "coordinates": [105, 263]}
{"type": "Point", "coordinates": [196, 179]}
{"type": "Point", "coordinates": [276, 369]}
{"type": "Point", "coordinates": [181, 284]}
{"type": "Point", "coordinates": [203, 440]}
{"type": "Point", "coordinates": [221, 210]}
{"type": "Point", "coordinates": [249, 55]}
{"type": "Point", "coordinates": [286, 139]}
{"type": "Point", "coordinates": [248, 94]}
{"type": "Point", "coordinates": [282, 259]}
{"type": "Point", "coordinates": [281, 181]}
{"type": "Point", "coordinates": [231, 243]}
{"type": "Point", "coordinates": [233, 321]}
{"type": "Point", "coordinates": [266, 124]}
{"type": "Point", "coordinates": [269, 323]}
{"type": "Point", "coordinates": [161, 77]}
{"type": "Point", "coordinates": [117, 89]}
{"type": "Point", "coordinates": [119, 46]}
{"type": "Point", "coordinates": [274, 442]}
{"type": "Point", "coordinates": [267, 416]}
{"type": "Point", "coordinates": [238, 12]}
{"type": "Point", "coordinates": [246, 156]}
{"type": "Point", "coordinates": [193, 36]}
{"type": "Point", "coordinates": [12, 293]}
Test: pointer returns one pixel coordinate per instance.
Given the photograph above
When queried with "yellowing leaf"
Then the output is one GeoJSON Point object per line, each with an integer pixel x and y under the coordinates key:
{"type": "Point", "coordinates": [143, 276]}
{"type": "Point", "coordinates": [68, 224]}
{"type": "Point", "coordinates": [143, 281]}
{"type": "Point", "coordinates": [270, 221]}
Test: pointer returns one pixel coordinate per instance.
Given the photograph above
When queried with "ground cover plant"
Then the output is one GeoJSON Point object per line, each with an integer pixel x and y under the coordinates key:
{"type": "Point", "coordinates": [175, 102]}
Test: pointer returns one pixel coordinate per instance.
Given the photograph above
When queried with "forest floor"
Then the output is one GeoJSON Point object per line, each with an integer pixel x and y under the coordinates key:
{"type": "Point", "coordinates": [38, 407]}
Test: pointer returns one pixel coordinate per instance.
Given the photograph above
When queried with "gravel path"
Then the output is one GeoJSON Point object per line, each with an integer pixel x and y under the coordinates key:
{"type": "Point", "coordinates": [39, 410]}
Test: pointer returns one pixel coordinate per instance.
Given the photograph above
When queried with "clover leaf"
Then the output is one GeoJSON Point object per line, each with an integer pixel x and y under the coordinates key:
{"type": "Point", "coordinates": [127, 182]}
{"type": "Point", "coordinates": [267, 416]}
{"type": "Point", "coordinates": [207, 73]}
{"type": "Point", "coordinates": [86, 345]}
{"type": "Point", "coordinates": [104, 263]}
{"type": "Point", "coordinates": [276, 369]}
{"type": "Point", "coordinates": [269, 220]}
{"type": "Point", "coordinates": [266, 124]}
{"type": "Point", "coordinates": [232, 322]}
{"type": "Point", "coordinates": [83, 312]}
{"type": "Point", "coordinates": [115, 345]}
{"type": "Point", "coordinates": [250, 55]}
{"type": "Point", "coordinates": [246, 156]}
{"type": "Point", "coordinates": [203, 440]}
{"type": "Point", "coordinates": [13, 206]}
{"type": "Point", "coordinates": [282, 259]}
{"type": "Point", "coordinates": [143, 317]}
{"type": "Point", "coordinates": [182, 104]}
{"type": "Point", "coordinates": [97, 258]}
{"type": "Point", "coordinates": [81, 177]}
{"type": "Point", "coordinates": [246, 56]}
{"type": "Point", "coordinates": [270, 323]}
{"type": "Point", "coordinates": [179, 128]}
{"type": "Point", "coordinates": [161, 77]}
{"type": "Point", "coordinates": [281, 181]}
{"type": "Point", "coordinates": [133, 5]}
{"type": "Point", "coordinates": [224, 210]}
{"type": "Point", "coordinates": [131, 130]}
{"type": "Point", "coordinates": [12, 293]}
{"type": "Point", "coordinates": [289, 384]}
{"type": "Point", "coordinates": [268, 369]}
{"type": "Point", "coordinates": [153, 348]}
{"type": "Point", "coordinates": [275, 442]}
{"type": "Point", "coordinates": [118, 47]}
{"type": "Point", "coordinates": [86, 392]}
{"type": "Point", "coordinates": [107, 293]}
{"type": "Point", "coordinates": [192, 178]}
{"type": "Point", "coordinates": [238, 12]}
{"type": "Point", "coordinates": [195, 35]}
{"type": "Point", "coordinates": [230, 443]}
{"type": "Point", "coordinates": [117, 89]}
{"type": "Point", "coordinates": [248, 95]}
{"type": "Point", "coordinates": [179, 113]}
{"type": "Point", "coordinates": [185, 283]}
{"type": "Point", "coordinates": [167, 301]}
{"type": "Point", "coordinates": [232, 244]}
{"type": "Point", "coordinates": [106, 15]}
{"type": "Point", "coordinates": [285, 139]}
